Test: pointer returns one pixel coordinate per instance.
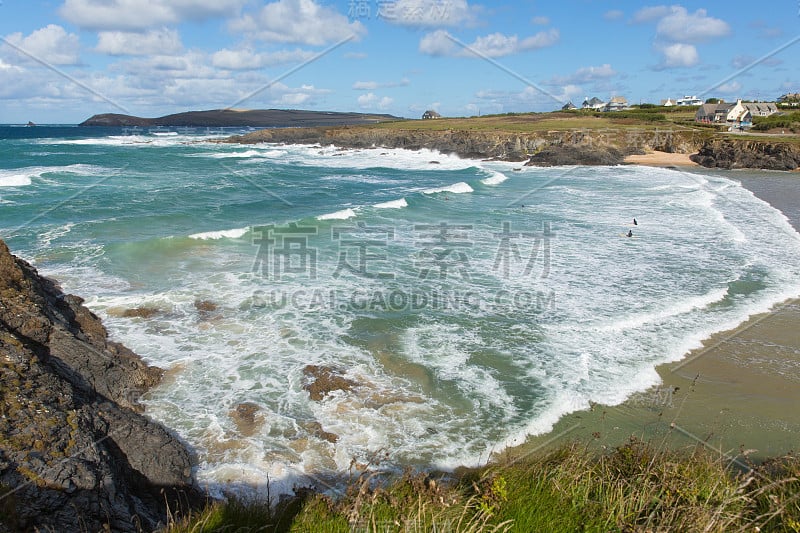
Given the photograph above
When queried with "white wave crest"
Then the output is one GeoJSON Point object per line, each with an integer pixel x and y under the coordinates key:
{"type": "Point", "coordinates": [394, 204]}
{"type": "Point", "coordinates": [456, 188]}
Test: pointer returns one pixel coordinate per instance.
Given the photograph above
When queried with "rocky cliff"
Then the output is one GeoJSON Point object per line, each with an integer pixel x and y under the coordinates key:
{"type": "Point", "coordinates": [744, 153]}
{"type": "Point", "coordinates": [547, 148]}
{"type": "Point", "coordinates": [594, 145]}
{"type": "Point", "coordinates": [75, 452]}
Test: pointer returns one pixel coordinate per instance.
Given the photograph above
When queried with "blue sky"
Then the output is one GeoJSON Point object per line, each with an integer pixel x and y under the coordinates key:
{"type": "Point", "coordinates": [64, 60]}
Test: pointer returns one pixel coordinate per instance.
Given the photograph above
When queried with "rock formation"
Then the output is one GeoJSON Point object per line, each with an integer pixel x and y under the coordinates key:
{"type": "Point", "coordinates": [75, 452]}
{"type": "Point", "coordinates": [744, 153]}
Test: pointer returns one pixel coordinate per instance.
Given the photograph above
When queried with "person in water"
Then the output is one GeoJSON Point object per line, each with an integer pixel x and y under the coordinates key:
{"type": "Point", "coordinates": [629, 234]}
{"type": "Point", "coordinates": [635, 223]}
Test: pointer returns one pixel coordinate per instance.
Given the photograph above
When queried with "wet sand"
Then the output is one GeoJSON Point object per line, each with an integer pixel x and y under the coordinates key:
{"type": "Point", "coordinates": [739, 394]}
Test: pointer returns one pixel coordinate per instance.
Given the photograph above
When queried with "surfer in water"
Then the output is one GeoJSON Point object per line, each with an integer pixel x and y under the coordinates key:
{"type": "Point", "coordinates": [635, 223]}
{"type": "Point", "coordinates": [629, 234]}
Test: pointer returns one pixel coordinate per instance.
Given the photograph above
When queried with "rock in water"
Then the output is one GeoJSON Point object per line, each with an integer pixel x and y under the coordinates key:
{"type": "Point", "coordinates": [75, 454]}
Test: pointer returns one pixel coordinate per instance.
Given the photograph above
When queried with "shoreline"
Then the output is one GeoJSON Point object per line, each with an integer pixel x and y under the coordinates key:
{"type": "Point", "coordinates": [661, 159]}
{"type": "Point", "coordinates": [736, 395]}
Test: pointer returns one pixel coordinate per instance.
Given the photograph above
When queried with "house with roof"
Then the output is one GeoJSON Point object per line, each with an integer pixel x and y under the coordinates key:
{"type": "Point", "coordinates": [594, 104]}
{"type": "Point", "coordinates": [669, 102]}
{"type": "Point", "coordinates": [689, 100]}
{"type": "Point", "coordinates": [761, 109]}
{"type": "Point", "coordinates": [792, 99]}
{"type": "Point", "coordinates": [738, 115]}
{"type": "Point", "coordinates": [430, 114]}
{"type": "Point", "coordinates": [569, 106]}
{"type": "Point", "coordinates": [617, 103]}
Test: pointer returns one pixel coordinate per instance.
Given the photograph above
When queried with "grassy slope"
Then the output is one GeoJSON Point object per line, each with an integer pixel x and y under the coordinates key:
{"type": "Point", "coordinates": [634, 487]}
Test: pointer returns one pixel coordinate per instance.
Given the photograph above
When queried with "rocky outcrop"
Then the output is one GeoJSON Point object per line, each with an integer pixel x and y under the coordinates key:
{"type": "Point", "coordinates": [75, 452]}
{"type": "Point", "coordinates": [506, 146]}
{"type": "Point", "coordinates": [576, 155]}
{"type": "Point", "coordinates": [744, 153]}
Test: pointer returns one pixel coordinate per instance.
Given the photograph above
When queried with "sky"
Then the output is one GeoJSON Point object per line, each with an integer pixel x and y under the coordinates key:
{"type": "Point", "coordinates": [62, 61]}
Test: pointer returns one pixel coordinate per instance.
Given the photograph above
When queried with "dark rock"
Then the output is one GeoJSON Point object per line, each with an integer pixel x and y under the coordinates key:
{"type": "Point", "coordinates": [315, 428]}
{"type": "Point", "coordinates": [140, 312]}
{"type": "Point", "coordinates": [322, 380]}
{"type": "Point", "coordinates": [247, 418]}
{"type": "Point", "coordinates": [75, 452]}
{"type": "Point", "coordinates": [744, 153]}
{"type": "Point", "coordinates": [576, 155]}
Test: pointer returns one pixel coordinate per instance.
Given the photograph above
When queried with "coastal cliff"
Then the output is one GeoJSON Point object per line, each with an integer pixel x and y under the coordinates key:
{"type": "Point", "coordinates": [75, 452]}
{"type": "Point", "coordinates": [547, 148]}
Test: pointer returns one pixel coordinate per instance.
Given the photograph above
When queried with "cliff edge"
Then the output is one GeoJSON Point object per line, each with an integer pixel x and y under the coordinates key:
{"type": "Point", "coordinates": [75, 452]}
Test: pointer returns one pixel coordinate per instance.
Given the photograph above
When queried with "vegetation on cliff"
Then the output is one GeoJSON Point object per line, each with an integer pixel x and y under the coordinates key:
{"type": "Point", "coordinates": [634, 487]}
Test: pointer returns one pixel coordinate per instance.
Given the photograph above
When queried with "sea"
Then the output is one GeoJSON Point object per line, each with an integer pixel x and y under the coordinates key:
{"type": "Point", "coordinates": [459, 305]}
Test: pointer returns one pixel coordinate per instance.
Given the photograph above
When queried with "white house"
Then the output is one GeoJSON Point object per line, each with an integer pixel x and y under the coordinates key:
{"type": "Point", "coordinates": [595, 104]}
{"type": "Point", "coordinates": [617, 103]}
{"type": "Point", "coordinates": [669, 102]}
{"type": "Point", "coordinates": [689, 100]}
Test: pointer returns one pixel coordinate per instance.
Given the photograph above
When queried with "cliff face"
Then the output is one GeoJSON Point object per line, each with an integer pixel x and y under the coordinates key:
{"type": "Point", "coordinates": [487, 144]}
{"type": "Point", "coordinates": [743, 153]}
{"type": "Point", "coordinates": [75, 454]}
{"type": "Point", "coordinates": [581, 147]}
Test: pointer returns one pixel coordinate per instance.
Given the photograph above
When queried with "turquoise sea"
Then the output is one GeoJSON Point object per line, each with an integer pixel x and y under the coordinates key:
{"type": "Point", "coordinates": [471, 303]}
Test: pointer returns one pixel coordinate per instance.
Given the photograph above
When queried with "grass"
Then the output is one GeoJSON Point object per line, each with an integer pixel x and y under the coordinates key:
{"type": "Point", "coordinates": [647, 118]}
{"type": "Point", "coordinates": [634, 487]}
{"type": "Point", "coordinates": [789, 121]}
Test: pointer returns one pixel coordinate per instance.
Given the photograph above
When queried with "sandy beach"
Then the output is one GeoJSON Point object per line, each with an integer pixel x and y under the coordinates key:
{"type": "Point", "coordinates": [737, 395]}
{"type": "Point", "coordinates": [661, 159]}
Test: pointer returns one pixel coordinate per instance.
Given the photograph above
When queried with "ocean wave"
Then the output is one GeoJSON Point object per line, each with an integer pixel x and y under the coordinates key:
{"type": "Point", "coordinates": [344, 214]}
{"type": "Point", "coordinates": [394, 204]}
{"type": "Point", "coordinates": [495, 179]}
{"type": "Point", "coordinates": [22, 177]}
{"type": "Point", "coordinates": [456, 188]}
{"type": "Point", "coordinates": [236, 233]}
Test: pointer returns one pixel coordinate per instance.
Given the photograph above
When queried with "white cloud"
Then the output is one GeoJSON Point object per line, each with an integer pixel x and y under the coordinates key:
{"type": "Point", "coordinates": [51, 44]}
{"type": "Point", "coordinates": [684, 27]}
{"type": "Point", "coordinates": [371, 101]}
{"type": "Point", "coordinates": [298, 21]}
{"type": "Point", "coordinates": [649, 14]}
{"type": "Point", "coordinates": [440, 43]}
{"type": "Point", "coordinates": [428, 13]}
{"type": "Point", "coordinates": [143, 14]}
{"type": "Point", "coordinates": [680, 55]}
{"type": "Point", "coordinates": [118, 43]}
{"type": "Point", "coordinates": [586, 74]}
{"type": "Point", "coordinates": [372, 85]}
{"type": "Point", "coordinates": [729, 88]}
{"type": "Point", "coordinates": [540, 21]}
{"type": "Point", "coordinates": [246, 59]}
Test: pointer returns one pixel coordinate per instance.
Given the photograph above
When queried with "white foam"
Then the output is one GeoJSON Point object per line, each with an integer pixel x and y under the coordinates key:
{"type": "Point", "coordinates": [393, 204]}
{"type": "Point", "coordinates": [21, 177]}
{"type": "Point", "coordinates": [344, 214]}
{"type": "Point", "coordinates": [496, 178]}
{"type": "Point", "coordinates": [223, 234]}
{"type": "Point", "coordinates": [456, 188]}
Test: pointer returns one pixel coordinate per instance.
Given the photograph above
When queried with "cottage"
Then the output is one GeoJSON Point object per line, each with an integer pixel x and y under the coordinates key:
{"type": "Point", "coordinates": [669, 102]}
{"type": "Point", "coordinates": [595, 104]}
{"type": "Point", "coordinates": [761, 109]}
{"type": "Point", "coordinates": [430, 114]}
{"type": "Point", "coordinates": [617, 103]}
{"type": "Point", "coordinates": [569, 106]}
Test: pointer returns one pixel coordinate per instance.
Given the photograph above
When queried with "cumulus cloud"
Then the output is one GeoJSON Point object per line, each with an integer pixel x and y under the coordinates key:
{"type": "Point", "coordinates": [681, 26]}
{"type": "Point", "coordinates": [51, 44]}
{"type": "Point", "coordinates": [372, 101]}
{"type": "Point", "coordinates": [298, 21]}
{"type": "Point", "coordinates": [372, 85]}
{"type": "Point", "coordinates": [428, 13]}
{"type": "Point", "coordinates": [119, 43]}
{"type": "Point", "coordinates": [143, 14]}
{"type": "Point", "coordinates": [247, 59]}
{"type": "Point", "coordinates": [649, 14]}
{"type": "Point", "coordinates": [586, 75]}
{"type": "Point", "coordinates": [441, 43]}
{"type": "Point", "coordinates": [680, 55]}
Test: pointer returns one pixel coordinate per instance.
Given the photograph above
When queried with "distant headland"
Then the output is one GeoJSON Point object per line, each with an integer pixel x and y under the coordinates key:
{"type": "Point", "coordinates": [219, 118]}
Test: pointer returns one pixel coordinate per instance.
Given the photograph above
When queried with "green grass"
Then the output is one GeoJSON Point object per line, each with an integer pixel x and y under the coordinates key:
{"type": "Point", "coordinates": [789, 121]}
{"type": "Point", "coordinates": [634, 487]}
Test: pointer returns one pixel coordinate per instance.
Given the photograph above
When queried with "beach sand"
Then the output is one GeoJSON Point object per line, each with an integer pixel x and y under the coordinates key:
{"type": "Point", "coordinates": [738, 395]}
{"type": "Point", "coordinates": [661, 159]}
